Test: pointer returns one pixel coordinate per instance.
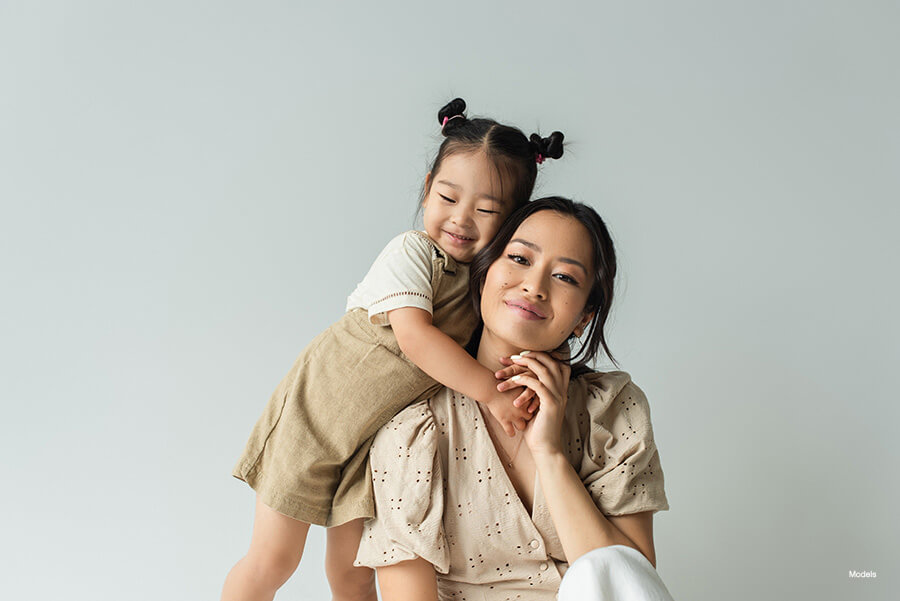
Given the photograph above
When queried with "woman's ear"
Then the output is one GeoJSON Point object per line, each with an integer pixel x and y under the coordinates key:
{"type": "Point", "coordinates": [582, 324]}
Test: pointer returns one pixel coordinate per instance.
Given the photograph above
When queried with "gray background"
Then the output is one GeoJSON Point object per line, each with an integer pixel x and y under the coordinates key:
{"type": "Point", "coordinates": [191, 189]}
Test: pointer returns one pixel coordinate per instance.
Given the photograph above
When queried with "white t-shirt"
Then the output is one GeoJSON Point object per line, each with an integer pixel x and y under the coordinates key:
{"type": "Point", "coordinates": [401, 276]}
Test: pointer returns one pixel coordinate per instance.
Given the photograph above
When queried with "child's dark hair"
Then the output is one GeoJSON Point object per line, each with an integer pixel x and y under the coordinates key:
{"type": "Point", "coordinates": [600, 297]}
{"type": "Point", "coordinates": [514, 156]}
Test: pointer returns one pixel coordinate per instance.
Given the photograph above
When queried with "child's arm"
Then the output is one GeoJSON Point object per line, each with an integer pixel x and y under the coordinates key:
{"type": "Point", "coordinates": [443, 359]}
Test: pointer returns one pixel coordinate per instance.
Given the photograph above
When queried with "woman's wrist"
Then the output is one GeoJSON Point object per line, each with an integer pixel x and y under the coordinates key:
{"type": "Point", "coordinates": [548, 457]}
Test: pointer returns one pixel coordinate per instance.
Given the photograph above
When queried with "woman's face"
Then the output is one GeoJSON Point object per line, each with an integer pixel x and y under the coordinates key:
{"type": "Point", "coordinates": [534, 294]}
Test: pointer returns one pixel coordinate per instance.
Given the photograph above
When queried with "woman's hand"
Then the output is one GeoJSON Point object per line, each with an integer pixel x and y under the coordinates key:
{"type": "Point", "coordinates": [549, 379]}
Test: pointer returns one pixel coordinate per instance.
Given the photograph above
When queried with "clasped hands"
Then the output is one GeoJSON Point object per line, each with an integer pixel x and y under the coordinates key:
{"type": "Point", "coordinates": [545, 381]}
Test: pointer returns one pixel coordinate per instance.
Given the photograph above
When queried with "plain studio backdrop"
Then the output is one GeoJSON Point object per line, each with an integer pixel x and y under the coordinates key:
{"type": "Point", "coordinates": [190, 190]}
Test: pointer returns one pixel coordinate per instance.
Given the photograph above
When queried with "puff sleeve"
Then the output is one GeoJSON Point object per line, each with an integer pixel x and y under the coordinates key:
{"type": "Point", "coordinates": [409, 500]}
{"type": "Point", "coordinates": [620, 462]}
{"type": "Point", "coordinates": [401, 276]}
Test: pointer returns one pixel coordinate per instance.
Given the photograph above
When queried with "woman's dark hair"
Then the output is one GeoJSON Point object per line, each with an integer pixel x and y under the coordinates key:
{"type": "Point", "coordinates": [600, 297]}
{"type": "Point", "coordinates": [513, 155]}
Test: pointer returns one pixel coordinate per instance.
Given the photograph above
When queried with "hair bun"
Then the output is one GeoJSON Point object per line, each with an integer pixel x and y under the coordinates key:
{"type": "Point", "coordinates": [550, 147]}
{"type": "Point", "coordinates": [449, 113]}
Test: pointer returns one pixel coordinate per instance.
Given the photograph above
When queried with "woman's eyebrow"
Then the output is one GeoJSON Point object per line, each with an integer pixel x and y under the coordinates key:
{"type": "Point", "coordinates": [537, 248]}
{"type": "Point", "coordinates": [459, 188]}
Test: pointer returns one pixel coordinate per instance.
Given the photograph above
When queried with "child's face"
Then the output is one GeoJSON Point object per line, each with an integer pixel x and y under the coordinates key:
{"type": "Point", "coordinates": [463, 206]}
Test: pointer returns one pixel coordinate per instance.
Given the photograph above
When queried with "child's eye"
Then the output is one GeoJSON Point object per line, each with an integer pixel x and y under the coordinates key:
{"type": "Point", "coordinates": [450, 200]}
{"type": "Point", "coordinates": [518, 259]}
{"type": "Point", "coordinates": [488, 211]}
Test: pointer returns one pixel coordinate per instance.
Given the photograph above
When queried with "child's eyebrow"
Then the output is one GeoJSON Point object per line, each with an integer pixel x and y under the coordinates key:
{"type": "Point", "coordinates": [459, 188]}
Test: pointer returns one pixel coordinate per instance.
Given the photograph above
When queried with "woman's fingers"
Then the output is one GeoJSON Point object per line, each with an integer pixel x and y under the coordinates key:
{"type": "Point", "coordinates": [545, 368]}
{"type": "Point", "coordinates": [542, 392]}
{"type": "Point", "coordinates": [535, 403]}
{"type": "Point", "coordinates": [509, 384]}
{"type": "Point", "coordinates": [522, 399]}
{"type": "Point", "coordinates": [552, 364]}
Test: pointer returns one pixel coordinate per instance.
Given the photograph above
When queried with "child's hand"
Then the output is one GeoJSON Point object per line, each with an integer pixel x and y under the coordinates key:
{"type": "Point", "coordinates": [514, 370]}
{"type": "Point", "coordinates": [501, 406]}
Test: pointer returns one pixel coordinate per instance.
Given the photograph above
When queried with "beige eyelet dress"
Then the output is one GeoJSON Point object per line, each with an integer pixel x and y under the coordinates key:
{"type": "Point", "coordinates": [308, 455]}
{"type": "Point", "coordinates": [442, 493]}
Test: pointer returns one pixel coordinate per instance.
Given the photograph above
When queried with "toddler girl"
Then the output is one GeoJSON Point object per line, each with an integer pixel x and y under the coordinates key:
{"type": "Point", "coordinates": [399, 341]}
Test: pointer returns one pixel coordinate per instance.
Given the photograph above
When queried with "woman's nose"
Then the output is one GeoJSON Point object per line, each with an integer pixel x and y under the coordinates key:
{"type": "Point", "coordinates": [534, 285]}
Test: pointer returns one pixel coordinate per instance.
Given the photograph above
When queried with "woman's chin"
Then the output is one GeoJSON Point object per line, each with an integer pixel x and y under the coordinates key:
{"type": "Point", "coordinates": [522, 342]}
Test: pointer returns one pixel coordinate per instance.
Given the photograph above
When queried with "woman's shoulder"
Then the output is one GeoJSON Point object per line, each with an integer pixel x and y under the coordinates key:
{"type": "Point", "coordinates": [413, 425]}
{"type": "Point", "coordinates": [610, 442]}
{"type": "Point", "coordinates": [608, 395]}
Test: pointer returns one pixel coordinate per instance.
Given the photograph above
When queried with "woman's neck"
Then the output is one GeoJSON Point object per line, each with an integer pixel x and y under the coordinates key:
{"type": "Point", "coordinates": [490, 349]}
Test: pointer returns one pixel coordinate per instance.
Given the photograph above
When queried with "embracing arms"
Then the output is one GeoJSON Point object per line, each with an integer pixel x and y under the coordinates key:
{"type": "Point", "coordinates": [443, 359]}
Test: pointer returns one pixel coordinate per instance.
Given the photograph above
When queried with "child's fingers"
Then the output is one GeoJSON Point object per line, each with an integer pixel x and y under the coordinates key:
{"type": "Point", "coordinates": [509, 429]}
{"type": "Point", "coordinates": [535, 403]}
{"type": "Point", "coordinates": [508, 372]}
{"type": "Point", "coordinates": [520, 425]}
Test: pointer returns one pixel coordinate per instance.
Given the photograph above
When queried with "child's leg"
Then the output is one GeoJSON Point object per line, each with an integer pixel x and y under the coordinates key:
{"type": "Point", "coordinates": [348, 583]}
{"type": "Point", "coordinates": [275, 550]}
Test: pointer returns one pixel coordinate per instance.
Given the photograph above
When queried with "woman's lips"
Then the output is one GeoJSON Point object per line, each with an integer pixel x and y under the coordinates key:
{"type": "Point", "coordinates": [525, 310]}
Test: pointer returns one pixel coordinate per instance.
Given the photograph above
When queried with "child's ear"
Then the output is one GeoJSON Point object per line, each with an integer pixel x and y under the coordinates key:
{"type": "Point", "coordinates": [427, 187]}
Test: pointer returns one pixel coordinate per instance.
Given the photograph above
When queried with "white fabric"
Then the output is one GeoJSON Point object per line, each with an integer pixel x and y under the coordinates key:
{"type": "Point", "coordinates": [400, 277]}
{"type": "Point", "coordinates": [615, 573]}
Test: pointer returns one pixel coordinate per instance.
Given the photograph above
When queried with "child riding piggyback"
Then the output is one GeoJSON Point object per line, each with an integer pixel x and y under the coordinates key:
{"type": "Point", "coordinates": [400, 340]}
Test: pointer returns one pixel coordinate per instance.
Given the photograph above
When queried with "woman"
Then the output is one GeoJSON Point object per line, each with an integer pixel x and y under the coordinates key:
{"type": "Point", "coordinates": [466, 512]}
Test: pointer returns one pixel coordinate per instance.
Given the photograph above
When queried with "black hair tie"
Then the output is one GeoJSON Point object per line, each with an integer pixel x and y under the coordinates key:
{"type": "Point", "coordinates": [550, 147]}
{"type": "Point", "coordinates": [452, 111]}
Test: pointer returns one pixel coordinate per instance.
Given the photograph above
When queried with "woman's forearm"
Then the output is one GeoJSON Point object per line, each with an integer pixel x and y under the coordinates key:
{"type": "Point", "coordinates": [580, 525]}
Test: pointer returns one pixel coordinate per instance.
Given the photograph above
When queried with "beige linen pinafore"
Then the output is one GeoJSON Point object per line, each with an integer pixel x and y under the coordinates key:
{"type": "Point", "coordinates": [308, 455]}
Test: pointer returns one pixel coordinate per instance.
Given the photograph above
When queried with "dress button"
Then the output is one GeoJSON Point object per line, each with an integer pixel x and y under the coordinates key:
{"type": "Point", "coordinates": [534, 544]}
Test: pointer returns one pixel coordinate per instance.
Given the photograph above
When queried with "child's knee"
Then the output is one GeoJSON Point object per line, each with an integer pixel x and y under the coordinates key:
{"type": "Point", "coordinates": [348, 581]}
{"type": "Point", "coordinates": [271, 568]}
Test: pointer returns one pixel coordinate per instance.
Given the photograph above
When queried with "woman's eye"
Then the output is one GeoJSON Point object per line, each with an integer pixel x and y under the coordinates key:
{"type": "Point", "coordinates": [518, 259]}
{"type": "Point", "coordinates": [567, 278]}
{"type": "Point", "coordinates": [450, 200]}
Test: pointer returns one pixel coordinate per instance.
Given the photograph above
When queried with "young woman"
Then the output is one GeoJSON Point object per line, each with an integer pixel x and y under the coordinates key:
{"type": "Point", "coordinates": [464, 512]}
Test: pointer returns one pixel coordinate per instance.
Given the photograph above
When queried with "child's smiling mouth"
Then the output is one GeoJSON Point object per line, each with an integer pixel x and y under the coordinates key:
{"type": "Point", "coordinates": [458, 238]}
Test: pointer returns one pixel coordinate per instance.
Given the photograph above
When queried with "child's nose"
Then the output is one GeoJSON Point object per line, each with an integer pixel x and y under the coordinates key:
{"type": "Point", "coordinates": [461, 217]}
